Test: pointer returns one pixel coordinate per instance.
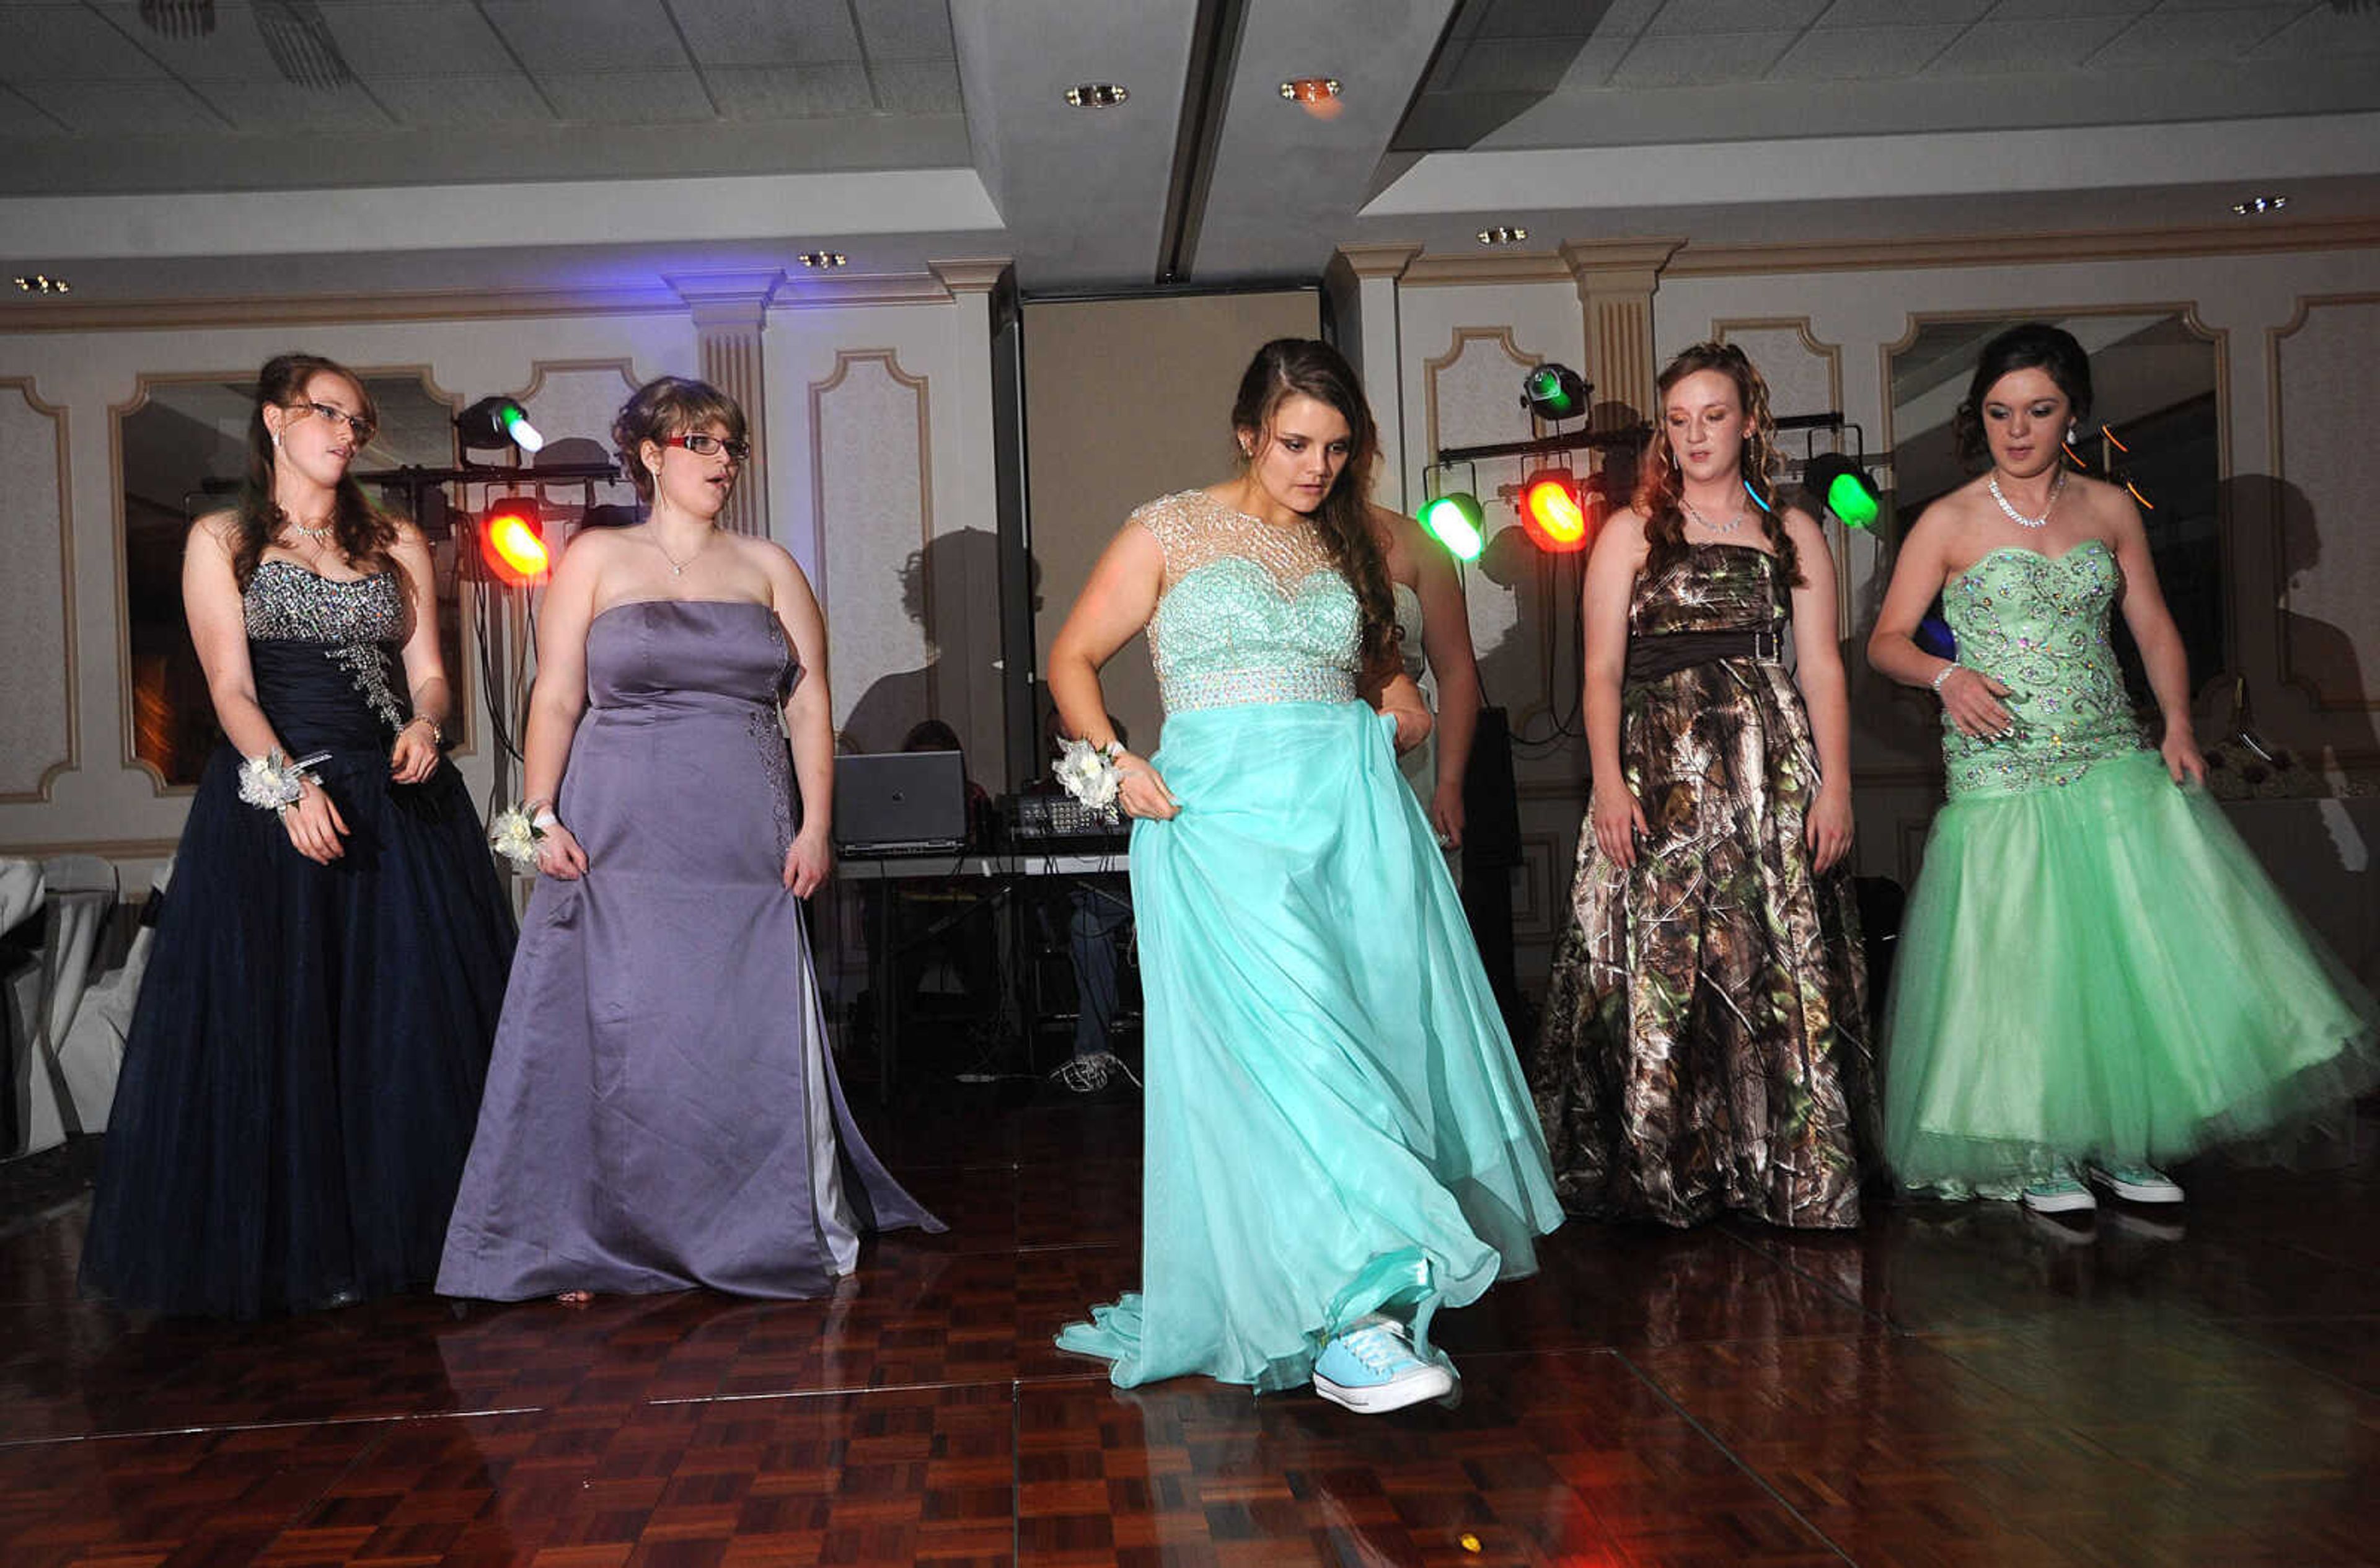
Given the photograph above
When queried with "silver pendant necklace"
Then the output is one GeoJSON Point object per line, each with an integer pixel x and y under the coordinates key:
{"type": "Point", "coordinates": [677, 567]}
{"type": "Point", "coordinates": [1695, 512]}
{"type": "Point", "coordinates": [2019, 518]}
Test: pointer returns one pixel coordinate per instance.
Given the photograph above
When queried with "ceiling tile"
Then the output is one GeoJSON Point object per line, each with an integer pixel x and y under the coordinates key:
{"type": "Point", "coordinates": [2052, 10]}
{"type": "Point", "coordinates": [416, 41]}
{"type": "Point", "coordinates": [907, 29]}
{"type": "Point", "coordinates": [648, 97]}
{"type": "Point", "coordinates": [1681, 60]}
{"type": "Point", "coordinates": [1875, 54]}
{"type": "Point", "coordinates": [1539, 19]}
{"type": "Point", "coordinates": [277, 104]}
{"type": "Point", "coordinates": [235, 51]}
{"type": "Point", "coordinates": [97, 107]}
{"type": "Point", "coordinates": [1900, 13]}
{"type": "Point", "coordinates": [559, 37]}
{"type": "Point", "coordinates": [68, 44]}
{"type": "Point", "coordinates": [20, 116]}
{"type": "Point", "coordinates": [768, 32]}
{"type": "Point", "coordinates": [2170, 36]}
{"type": "Point", "coordinates": [1594, 64]}
{"type": "Point", "coordinates": [791, 92]}
{"type": "Point", "coordinates": [2322, 33]}
{"type": "Point", "coordinates": [1512, 64]}
{"type": "Point", "coordinates": [440, 102]}
{"type": "Point", "coordinates": [918, 87]}
{"type": "Point", "coordinates": [1995, 47]}
{"type": "Point", "coordinates": [1705, 18]}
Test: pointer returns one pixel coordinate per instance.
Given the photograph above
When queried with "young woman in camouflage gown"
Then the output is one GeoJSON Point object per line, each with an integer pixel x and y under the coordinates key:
{"type": "Point", "coordinates": [1704, 1049]}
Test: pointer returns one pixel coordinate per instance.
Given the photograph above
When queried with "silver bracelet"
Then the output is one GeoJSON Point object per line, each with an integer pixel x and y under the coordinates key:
{"type": "Point", "coordinates": [1943, 674]}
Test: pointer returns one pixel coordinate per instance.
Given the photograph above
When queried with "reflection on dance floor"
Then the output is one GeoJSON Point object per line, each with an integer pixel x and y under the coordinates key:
{"type": "Point", "coordinates": [1950, 1385]}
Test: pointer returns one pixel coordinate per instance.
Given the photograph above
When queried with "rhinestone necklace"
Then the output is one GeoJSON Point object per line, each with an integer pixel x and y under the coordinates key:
{"type": "Point", "coordinates": [326, 531]}
{"type": "Point", "coordinates": [1729, 526]}
{"type": "Point", "coordinates": [2019, 518]}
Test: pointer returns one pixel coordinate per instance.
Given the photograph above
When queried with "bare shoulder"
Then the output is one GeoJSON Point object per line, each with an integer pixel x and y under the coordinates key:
{"type": "Point", "coordinates": [1804, 528]}
{"type": "Point", "coordinates": [2108, 506]}
{"type": "Point", "coordinates": [220, 530]}
{"type": "Point", "coordinates": [407, 535]}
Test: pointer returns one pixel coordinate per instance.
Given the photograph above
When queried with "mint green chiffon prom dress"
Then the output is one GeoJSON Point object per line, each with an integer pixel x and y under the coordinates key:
{"type": "Point", "coordinates": [1336, 1122]}
{"type": "Point", "coordinates": [2093, 965]}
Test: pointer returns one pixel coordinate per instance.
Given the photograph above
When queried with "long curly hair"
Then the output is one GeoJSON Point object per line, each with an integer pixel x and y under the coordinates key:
{"type": "Point", "coordinates": [2033, 346]}
{"type": "Point", "coordinates": [1659, 485]}
{"type": "Point", "coordinates": [363, 533]}
{"type": "Point", "coordinates": [1289, 367]}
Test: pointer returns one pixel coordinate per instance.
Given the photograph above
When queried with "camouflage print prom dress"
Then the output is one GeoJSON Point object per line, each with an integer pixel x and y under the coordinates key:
{"type": "Point", "coordinates": [1704, 1049]}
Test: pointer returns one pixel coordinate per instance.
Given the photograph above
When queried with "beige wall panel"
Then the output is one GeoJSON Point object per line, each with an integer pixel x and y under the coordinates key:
{"type": "Point", "coordinates": [2329, 465]}
{"type": "Point", "coordinates": [871, 445]}
{"type": "Point", "coordinates": [37, 640]}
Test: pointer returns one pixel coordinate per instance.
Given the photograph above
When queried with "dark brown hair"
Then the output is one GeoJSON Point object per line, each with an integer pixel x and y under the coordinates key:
{"type": "Point", "coordinates": [1290, 367]}
{"type": "Point", "coordinates": [2035, 346]}
{"type": "Point", "coordinates": [664, 407]}
{"type": "Point", "coordinates": [1659, 485]}
{"type": "Point", "coordinates": [363, 533]}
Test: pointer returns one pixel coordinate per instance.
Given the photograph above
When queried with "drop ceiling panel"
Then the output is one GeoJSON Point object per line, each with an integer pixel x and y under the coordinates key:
{"type": "Point", "coordinates": [158, 108]}
{"type": "Point", "coordinates": [790, 93]}
{"type": "Point", "coordinates": [918, 87]}
{"type": "Point", "coordinates": [907, 29]}
{"type": "Point", "coordinates": [556, 39]}
{"type": "Point", "coordinates": [68, 44]}
{"type": "Point", "coordinates": [2171, 36]}
{"type": "Point", "coordinates": [1680, 59]}
{"type": "Point", "coordinates": [1995, 47]}
{"type": "Point", "coordinates": [638, 97]}
{"type": "Point", "coordinates": [1707, 19]}
{"type": "Point", "coordinates": [414, 41]}
{"type": "Point", "coordinates": [439, 102]}
{"type": "Point", "coordinates": [768, 32]}
{"type": "Point", "coordinates": [1884, 53]}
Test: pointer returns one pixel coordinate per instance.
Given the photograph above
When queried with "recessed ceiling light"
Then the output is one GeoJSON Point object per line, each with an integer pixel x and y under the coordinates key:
{"type": "Point", "coordinates": [41, 282]}
{"type": "Point", "coordinates": [824, 260]}
{"type": "Point", "coordinates": [1503, 233]}
{"type": "Point", "coordinates": [2257, 206]}
{"type": "Point", "coordinates": [1310, 89]}
{"type": "Point", "coordinates": [1096, 95]}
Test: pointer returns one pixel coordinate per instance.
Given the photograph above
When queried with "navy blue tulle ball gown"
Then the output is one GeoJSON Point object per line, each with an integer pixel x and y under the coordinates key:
{"type": "Point", "coordinates": [305, 1063]}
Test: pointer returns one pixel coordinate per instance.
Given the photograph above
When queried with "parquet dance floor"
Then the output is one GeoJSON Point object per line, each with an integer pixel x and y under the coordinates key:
{"type": "Point", "coordinates": [1952, 1385]}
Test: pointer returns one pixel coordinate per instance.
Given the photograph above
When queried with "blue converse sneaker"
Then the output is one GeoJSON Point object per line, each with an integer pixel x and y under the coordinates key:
{"type": "Point", "coordinates": [2138, 1184]}
{"type": "Point", "coordinates": [1370, 1367]}
{"type": "Point", "coordinates": [2060, 1194]}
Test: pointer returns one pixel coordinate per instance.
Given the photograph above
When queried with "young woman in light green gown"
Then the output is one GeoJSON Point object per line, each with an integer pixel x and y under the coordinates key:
{"type": "Point", "coordinates": [2095, 978]}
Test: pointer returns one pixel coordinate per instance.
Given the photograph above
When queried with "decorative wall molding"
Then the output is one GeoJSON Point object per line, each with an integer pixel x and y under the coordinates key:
{"type": "Point", "coordinates": [1487, 268]}
{"type": "Point", "coordinates": [1699, 260]}
{"type": "Point", "coordinates": [1615, 281]}
{"type": "Point", "coordinates": [69, 662]}
{"type": "Point", "coordinates": [822, 396]}
{"type": "Point", "coordinates": [1381, 261]}
{"type": "Point", "coordinates": [2353, 425]}
{"type": "Point", "coordinates": [1432, 369]}
{"type": "Point", "coordinates": [730, 311]}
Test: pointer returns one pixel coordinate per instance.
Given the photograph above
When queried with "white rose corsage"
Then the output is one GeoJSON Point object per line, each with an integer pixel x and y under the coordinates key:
{"type": "Point", "coordinates": [273, 783]}
{"type": "Point", "coordinates": [1089, 773]}
{"type": "Point", "coordinates": [515, 832]}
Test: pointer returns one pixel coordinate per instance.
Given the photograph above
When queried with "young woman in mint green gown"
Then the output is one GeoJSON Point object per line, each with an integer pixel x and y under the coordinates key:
{"type": "Point", "coordinates": [2095, 978]}
{"type": "Point", "coordinates": [1339, 1141]}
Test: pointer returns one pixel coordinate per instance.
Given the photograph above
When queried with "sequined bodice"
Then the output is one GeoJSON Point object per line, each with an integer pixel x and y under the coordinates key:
{"type": "Point", "coordinates": [1409, 644]}
{"type": "Point", "coordinates": [323, 652]}
{"type": "Point", "coordinates": [1713, 588]}
{"type": "Point", "coordinates": [2038, 624]}
{"type": "Point", "coordinates": [1249, 611]}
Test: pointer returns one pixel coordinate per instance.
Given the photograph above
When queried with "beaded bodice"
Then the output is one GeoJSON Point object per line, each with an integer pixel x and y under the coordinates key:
{"type": "Point", "coordinates": [2038, 624]}
{"type": "Point", "coordinates": [1409, 644]}
{"type": "Point", "coordinates": [1249, 611]}
{"type": "Point", "coordinates": [294, 618]}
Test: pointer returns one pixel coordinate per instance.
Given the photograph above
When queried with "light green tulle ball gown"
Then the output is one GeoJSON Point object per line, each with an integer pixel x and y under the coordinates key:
{"type": "Point", "coordinates": [1336, 1121]}
{"type": "Point", "coordinates": [2093, 965]}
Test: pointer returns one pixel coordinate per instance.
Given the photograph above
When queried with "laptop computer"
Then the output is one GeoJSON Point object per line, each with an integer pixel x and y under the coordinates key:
{"type": "Point", "coordinates": [900, 803]}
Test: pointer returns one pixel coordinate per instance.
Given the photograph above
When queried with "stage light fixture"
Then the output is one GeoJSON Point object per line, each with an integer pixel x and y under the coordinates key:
{"type": "Point", "coordinates": [41, 282]}
{"type": "Point", "coordinates": [512, 541]}
{"type": "Point", "coordinates": [1097, 95]}
{"type": "Point", "coordinates": [1553, 512]}
{"type": "Point", "coordinates": [1454, 520]}
{"type": "Point", "coordinates": [1503, 233]}
{"type": "Point", "coordinates": [822, 261]}
{"type": "Point", "coordinates": [494, 423]}
{"type": "Point", "coordinates": [1845, 487]}
{"type": "Point", "coordinates": [1554, 393]}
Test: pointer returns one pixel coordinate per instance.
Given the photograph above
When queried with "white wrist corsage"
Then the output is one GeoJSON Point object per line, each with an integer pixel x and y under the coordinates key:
{"type": "Point", "coordinates": [1089, 773]}
{"type": "Point", "coordinates": [516, 832]}
{"type": "Point", "coordinates": [273, 783]}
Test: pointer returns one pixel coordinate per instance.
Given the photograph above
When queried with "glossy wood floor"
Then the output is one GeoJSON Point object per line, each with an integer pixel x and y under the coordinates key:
{"type": "Point", "coordinates": [1951, 1386]}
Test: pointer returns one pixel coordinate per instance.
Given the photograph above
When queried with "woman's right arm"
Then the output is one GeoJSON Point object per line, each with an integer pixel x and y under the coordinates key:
{"type": "Point", "coordinates": [1919, 573]}
{"type": "Point", "coordinates": [559, 696]}
{"type": "Point", "coordinates": [1111, 611]}
{"type": "Point", "coordinates": [1613, 810]}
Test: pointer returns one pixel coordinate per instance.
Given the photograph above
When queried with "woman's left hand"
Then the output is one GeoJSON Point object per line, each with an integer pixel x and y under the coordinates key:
{"type": "Point", "coordinates": [1446, 815]}
{"type": "Point", "coordinates": [807, 864]}
{"type": "Point", "coordinates": [2183, 757]}
{"type": "Point", "coordinates": [415, 755]}
{"type": "Point", "coordinates": [1828, 830]}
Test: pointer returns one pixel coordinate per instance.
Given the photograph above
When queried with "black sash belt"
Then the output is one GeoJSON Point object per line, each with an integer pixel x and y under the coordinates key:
{"type": "Point", "coordinates": [1650, 658]}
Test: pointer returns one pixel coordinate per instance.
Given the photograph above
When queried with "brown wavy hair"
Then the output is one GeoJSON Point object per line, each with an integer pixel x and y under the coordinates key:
{"type": "Point", "coordinates": [363, 533]}
{"type": "Point", "coordinates": [1289, 367]}
{"type": "Point", "coordinates": [669, 405]}
{"type": "Point", "coordinates": [1659, 486]}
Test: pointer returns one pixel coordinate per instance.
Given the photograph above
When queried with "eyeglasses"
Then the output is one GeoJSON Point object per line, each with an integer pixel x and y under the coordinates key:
{"type": "Point", "coordinates": [362, 426]}
{"type": "Point", "coordinates": [704, 445]}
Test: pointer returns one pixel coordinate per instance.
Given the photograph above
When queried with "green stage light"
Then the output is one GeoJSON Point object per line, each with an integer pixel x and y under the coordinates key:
{"type": "Point", "coordinates": [1554, 393]}
{"type": "Point", "coordinates": [1845, 487]}
{"type": "Point", "coordinates": [1454, 520]}
{"type": "Point", "coordinates": [497, 421]}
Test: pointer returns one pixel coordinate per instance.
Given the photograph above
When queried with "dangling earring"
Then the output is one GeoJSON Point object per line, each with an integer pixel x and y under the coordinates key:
{"type": "Point", "coordinates": [276, 439]}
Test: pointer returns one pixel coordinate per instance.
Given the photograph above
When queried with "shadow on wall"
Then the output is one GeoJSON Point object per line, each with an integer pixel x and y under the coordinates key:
{"type": "Point", "coordinates": [948, 570]}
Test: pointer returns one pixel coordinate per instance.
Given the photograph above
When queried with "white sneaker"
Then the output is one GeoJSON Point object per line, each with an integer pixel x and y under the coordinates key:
{"type": "Point", "coordinates": [1371, 1368]}
{"type": "Point", "coordinates": [1088, 1074]}
{"type": "Point", "coordinates": [2138, 1184]}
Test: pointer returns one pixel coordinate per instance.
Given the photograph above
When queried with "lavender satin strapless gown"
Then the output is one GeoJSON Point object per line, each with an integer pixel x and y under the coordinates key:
{"type": "Point", "coordinates": [662, 1110]}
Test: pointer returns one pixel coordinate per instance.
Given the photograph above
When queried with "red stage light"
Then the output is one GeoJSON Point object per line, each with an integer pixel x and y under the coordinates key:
{"type": "Point", "coordinates": [511, 541]}
{"type": "Point", "coordinates": [1553, 512]}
